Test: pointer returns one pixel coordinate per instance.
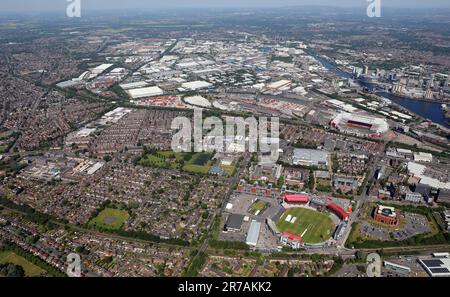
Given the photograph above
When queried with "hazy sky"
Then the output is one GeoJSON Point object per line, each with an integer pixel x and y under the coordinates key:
{"type": "Point", "coordinates": [55, 5]}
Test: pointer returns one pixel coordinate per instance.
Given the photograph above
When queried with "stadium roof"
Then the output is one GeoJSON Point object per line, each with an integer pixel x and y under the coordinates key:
{"type": "Point", "coordinates": [338, 210]}
{"type": "Point", "coordinates": [296, 198]}
{"type": "Point", "coordinates": [375, 124]}
{"type": "Point", "coordinates": [291, 236]}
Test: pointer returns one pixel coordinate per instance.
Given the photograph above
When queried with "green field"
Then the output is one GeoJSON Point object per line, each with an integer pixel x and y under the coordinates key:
{"type": "Point", "coordinates": [229, 169]}
{"type": "Point", "coordinates": [318, 226]}
{"type": "Point", "coordinates": [164, 159]}
{"type": "Point", "coordinates": [29, 268]}
{"type": "Point", "coordinates": [199, 163]}
{"type": "Point", "coordinates": [190, 162]}
{"type": "Point", "coordinates": [258, 205]}
{"type": "Point", "coordinates": [110, 218]}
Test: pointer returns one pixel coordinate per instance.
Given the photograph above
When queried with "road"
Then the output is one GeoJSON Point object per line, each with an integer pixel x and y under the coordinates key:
{"type": "Point", "coordinates": [233, 183]}
{"type": "Point", "coordinates": [361, 199]}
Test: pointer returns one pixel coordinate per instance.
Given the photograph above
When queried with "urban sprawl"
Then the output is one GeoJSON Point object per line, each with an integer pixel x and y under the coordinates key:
{"type": "Point", "coordinates": [87, 164]}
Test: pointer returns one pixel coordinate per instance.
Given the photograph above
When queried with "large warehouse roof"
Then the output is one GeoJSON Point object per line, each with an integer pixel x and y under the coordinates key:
{"type": "Point", "coordinates": [234, 221]}
{"type": "Point", "coordinates": [196, 85]}
{"type": "Point", "coordinates": [133, 85]}
{"type": "Point", "coordinates": [253, 233]}
{"type": "Point", "coordinates": [145, 92]}
{"type": "Point", "coordinates": [310, 156]}
{"type": "Point", "coordinates": [436, 266]}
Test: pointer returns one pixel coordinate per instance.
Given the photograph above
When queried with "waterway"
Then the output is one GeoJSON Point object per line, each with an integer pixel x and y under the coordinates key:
{"type": "Point", "coordinates": [426, 109]}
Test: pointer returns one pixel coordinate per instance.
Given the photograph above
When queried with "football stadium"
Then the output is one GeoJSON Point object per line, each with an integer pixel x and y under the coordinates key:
{"type": "Point", "coordinates": [361, 125]}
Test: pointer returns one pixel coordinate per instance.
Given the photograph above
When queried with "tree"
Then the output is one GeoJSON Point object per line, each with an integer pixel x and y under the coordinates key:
{"type": "Point", "coordinates": [11, 270]}
{"type": "Point", "coordinates": [311, 181]}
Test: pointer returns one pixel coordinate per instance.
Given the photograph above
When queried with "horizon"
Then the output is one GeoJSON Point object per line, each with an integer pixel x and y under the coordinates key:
{"type": "Point", "coordinates": [42, 6]}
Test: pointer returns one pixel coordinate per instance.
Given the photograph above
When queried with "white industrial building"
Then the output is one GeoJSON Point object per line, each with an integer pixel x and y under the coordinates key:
{"type": "Point", "coordinates": [423, 157]}
{"type": "Point", "coordinates": [310, 157]}
{"type": "Point", "coordinates": [413, 197]}
{"type": "Point", "coordinates": [396, 267]}
{"type": "Point", "coordinates": [281, 84]}
{"type": "Point", "coordinates": [134, 85]}
{"type": "Point", "coordinates": [436, 266]}
{"type": "Point", "coordinates": [145, 92]}
{"type": "Point", "coordinates": [253, 233]}
{"type": "Point", "coordinates": [196, 85]}
{"type": "Point", "coordinates": [418, 170]}
{"type": "Point", "coordinates": [197, 101]}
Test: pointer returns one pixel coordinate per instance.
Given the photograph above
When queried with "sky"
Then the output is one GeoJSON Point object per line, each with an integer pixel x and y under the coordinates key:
{"type": "Point", "coordinates": [55, 5]}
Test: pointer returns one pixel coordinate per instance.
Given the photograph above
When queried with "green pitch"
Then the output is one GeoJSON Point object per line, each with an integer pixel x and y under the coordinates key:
{"type": "Point", "coordinates": [316, 227]}
{"type": "Point", "coordinates": [110, 218]}
{"type": "Point", "coordinates": [29, 268]}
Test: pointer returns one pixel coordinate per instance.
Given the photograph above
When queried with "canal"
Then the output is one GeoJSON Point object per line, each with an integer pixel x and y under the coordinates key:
{"type": "Point", "coordinates": [428, 110]}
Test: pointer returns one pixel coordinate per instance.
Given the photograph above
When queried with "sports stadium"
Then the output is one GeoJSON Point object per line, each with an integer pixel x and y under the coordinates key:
{"type": "Point", "coordinates": [361, 125]}
{"type": "Point", "coordinates": [304, 221]}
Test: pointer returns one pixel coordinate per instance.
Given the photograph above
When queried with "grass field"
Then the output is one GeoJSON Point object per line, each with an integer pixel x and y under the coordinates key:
{"type": "Point", "coordinates": [110, 218]}
{"type": "Point", "coordinates": [258, 205]}
{"type": "Point", "coordinates": [190, 162]}
{"type": "Point", "coordinates": [199, 163]}
{"type": "Point", "coordinates": [229, 169]}
{"type": "Point", "coordinates": [314, 226]}
{"type": "Point", "coordinates": [163, 159]}
{"type": "Point", "coordinates": [29, 268]}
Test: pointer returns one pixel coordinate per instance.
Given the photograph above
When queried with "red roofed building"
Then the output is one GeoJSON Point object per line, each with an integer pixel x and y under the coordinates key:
{"type": "Point", "coordinates": [291, 236]}
{"type": "Point", "coordinates": [291, 240]}
{"type": "Point", "coordinates": [296, 198]}
{"type": "Point", "coordinates": [341, 213]}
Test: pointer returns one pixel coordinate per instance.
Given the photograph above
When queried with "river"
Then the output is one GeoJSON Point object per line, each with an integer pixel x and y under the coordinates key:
{"type": "Point", "coordinates": [428, 110]}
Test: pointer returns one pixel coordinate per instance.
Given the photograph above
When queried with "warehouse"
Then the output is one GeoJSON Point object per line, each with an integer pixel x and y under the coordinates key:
{"type": "Point", "coordinates": [253, 233]}
{"type": "Point", "coordinates": [234, 223]}
{"type": "Point", "coordinates": [423, 157]}
{"type": "Point", "coordinates": [309, 157]}
{"type": "Point", "coordinates": [134, 85]}
{"type": "Point", "coordinates": [396, 267]}
{"type": "Point", "coordinates": [436, 267]}
{"type": "Point", "coordinates": [145, 92]}
{"type": "Point", "coordinates": [196, 85]}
